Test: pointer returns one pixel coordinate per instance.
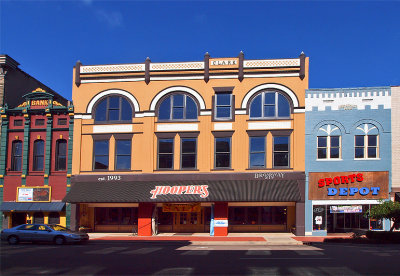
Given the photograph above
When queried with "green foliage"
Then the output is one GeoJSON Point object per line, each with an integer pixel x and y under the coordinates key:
{"type": "Point", "coordinates": [386, 210]}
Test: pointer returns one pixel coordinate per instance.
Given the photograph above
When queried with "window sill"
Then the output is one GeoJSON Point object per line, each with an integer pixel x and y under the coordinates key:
{"type": "Point", "coordinates": [14, 173]}
{"type": "Point", "coordinates": [269, 119]}
{"type": "Point", "coordinates": [112, 122]}
{"type": "Point", "coordinates": [178, 121]}
{"type": "Point", "coordinates": [325, 160]}
{"type": "Point", "coordinates": [366, 159]}
{"type": "Point", "coordinates": [36, 173]}
{"type": "Point", "coordinates": [256, 169]}
{"type": "Point", "coordinates": [222, 169]}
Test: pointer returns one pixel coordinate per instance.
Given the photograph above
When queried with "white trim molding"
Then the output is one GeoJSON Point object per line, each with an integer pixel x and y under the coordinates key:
{"type": "Point", "coordinates": [223, 126]}
{"type": "Point", "coordinates": [112, 128]}
{"type": "Point", "coordinates": [113, 91]}
{"type": "Point", "coordinates": [270, 125]}
{"type": "Point", "coordinates": [177, 127]}
{"type": "Point", "coordinates": [279, 87]}
{"type": "Point", "coordinates": [188, 90]}
{"type": "Point", "coordinates": [83, 116]}
{"type": "Point", "coordinates": [205, 113]}
{"type": "Point", "coordinates": [345, 202]}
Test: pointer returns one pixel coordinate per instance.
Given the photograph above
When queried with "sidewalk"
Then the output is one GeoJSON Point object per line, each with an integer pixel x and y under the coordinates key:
{"type": "Point", "coordinates": [205, 238]}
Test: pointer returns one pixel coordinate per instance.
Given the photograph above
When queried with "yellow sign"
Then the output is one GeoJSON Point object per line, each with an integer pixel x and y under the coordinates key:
{"type": "Point", "coordinates": [39, 102]}
{"type": "Point", "coordinates": [34, 194]}
{"type": "Point", "coordinates": [181, 208]}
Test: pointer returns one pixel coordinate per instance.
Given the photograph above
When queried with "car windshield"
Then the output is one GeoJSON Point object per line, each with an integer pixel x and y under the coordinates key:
{"type": "Point", "coordinates": [58, 228]}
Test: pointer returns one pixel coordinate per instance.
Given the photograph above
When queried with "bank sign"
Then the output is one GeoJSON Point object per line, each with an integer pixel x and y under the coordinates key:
{"type": "Point", "coordinates": [348, 185]}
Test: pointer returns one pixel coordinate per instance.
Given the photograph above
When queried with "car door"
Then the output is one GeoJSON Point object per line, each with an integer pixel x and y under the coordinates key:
{"type": "Point", "coordinates": [26, 232]}
{"type": "Point", "coordinates": [43, 234]}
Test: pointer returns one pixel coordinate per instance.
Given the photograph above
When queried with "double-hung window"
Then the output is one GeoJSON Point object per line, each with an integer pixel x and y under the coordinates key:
{"type": "Point", "coordinates": [281, 151]}
{"type": "Point", "coordinates": [101, 154]}
{"type": "Point", "coordinates": [257, 152]}
{"type": "Point", "coordinates": [328, 147]}
{"type": "Point", "coordinates": [188, 153]}
{"type": "Point", "coordinates": [366, 146]}
{"type": "Point", "coordinates": [38, 155]}
{"type": "Point", "coordinates": [223, 149]}
{"type": "Point", "coordinates": [166, 154]}
{"type": "Point", "coordinates": [61, 155]}
{"type": "Point", "coordinates": [16, 155]}
{"type": "Point", "coordinates": [122, 154]}
{"type": "Point", "coordinates": [223, 106]}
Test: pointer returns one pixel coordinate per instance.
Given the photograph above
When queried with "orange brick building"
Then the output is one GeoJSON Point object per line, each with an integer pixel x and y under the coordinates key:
{"type": "Point", "coordinates": [208, 146]}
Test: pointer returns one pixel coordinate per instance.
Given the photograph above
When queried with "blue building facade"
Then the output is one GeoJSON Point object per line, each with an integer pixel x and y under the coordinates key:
{"type": "Point", "coordinates": [348, 158]}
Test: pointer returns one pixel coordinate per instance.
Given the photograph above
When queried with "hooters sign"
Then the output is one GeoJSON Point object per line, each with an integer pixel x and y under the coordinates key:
{"type": "Point", "coordinates": [201, 190]}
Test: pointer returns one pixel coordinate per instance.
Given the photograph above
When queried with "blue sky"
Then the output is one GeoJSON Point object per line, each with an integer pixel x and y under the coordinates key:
{"type": "Point", "coordinates": [350, 44]}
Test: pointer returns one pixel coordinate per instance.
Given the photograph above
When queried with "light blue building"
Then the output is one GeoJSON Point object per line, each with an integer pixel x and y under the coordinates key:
{"type": "Point", "coordinates": [348, 157]}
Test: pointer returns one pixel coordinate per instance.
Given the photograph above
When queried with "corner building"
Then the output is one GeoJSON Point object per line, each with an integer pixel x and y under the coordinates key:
{"type": "Point", "coordinates": [210, 146]}
{"type": "Point", "coordinates": [35, 160]}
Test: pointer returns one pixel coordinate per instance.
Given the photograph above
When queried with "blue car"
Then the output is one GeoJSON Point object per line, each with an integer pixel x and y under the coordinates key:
{"type": "Point", "coordinates": [42, 233]}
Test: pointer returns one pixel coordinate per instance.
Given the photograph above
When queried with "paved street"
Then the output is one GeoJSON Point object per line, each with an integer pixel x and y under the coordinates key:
{"type": "Point", "coordinates": [182, 258]}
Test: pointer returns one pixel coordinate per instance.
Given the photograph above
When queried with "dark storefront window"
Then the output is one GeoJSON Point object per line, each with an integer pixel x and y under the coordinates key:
{"type": "Point", "coordinates": [164, 218]}
{"type": "Point", "coordinates": [38, 217]}
{"type": "Point", "coordinates": [54, 218]}
{"type": "Point", "coordinates": [319, 217]}
{"type": "Point", "coordinates": [273, 215]}
{"type": "Point", "coordinates": [166, 153]}
{"type": "Point", "coordinates": [265, 215]}
{"type": "Point", "coordinates": [116, 216]}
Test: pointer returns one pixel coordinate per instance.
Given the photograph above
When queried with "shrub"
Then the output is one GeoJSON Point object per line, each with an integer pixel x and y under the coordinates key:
{"type": "Point", "coordinates": [383, 236]}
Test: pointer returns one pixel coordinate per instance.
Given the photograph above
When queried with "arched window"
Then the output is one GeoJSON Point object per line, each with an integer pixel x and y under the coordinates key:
{"type": "Point", "coordinates": [366, 142]}
{"type": "Point", "coordinates": [177, 107]}
{"type": "Point", "coordinates": [113, 108]}
{"type": "Point", "coordinates": [54, 218]}
{"type": "Point", "coordinates": [16, 155]}
{"type": "Point", "coordinates": [38, 217]}
{"type": "Point", "coordinates": [38, 155]}
{"type": "Point", "coordinates": [269, 104]}
{"type": "Point", "coordinates": [61, 155]}
{"type": "Point", "coordinates": [328, 142]}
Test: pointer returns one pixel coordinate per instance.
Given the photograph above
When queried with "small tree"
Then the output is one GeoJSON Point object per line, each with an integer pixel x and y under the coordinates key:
{"type": "Point", "coordinates": [386, 210]}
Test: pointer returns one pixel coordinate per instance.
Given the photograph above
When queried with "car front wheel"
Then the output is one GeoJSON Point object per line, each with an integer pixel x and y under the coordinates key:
{"type": "Point", "coordinates": [13, 240]}
{"type": "Point", "coordinates": [59, 240]}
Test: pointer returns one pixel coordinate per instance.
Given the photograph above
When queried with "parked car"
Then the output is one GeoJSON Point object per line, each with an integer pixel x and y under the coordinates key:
{"type": "Point", "coordinates": [42, 233]}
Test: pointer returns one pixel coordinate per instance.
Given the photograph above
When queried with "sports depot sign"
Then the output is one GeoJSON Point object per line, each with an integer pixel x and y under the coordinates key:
{"type": "Point", "coordinates": [348, 185]}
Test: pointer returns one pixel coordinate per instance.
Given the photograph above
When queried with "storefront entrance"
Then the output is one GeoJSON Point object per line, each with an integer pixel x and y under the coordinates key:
{"type": "Point", "coordinates": [188, 222]}
{"type": "Point", "coordinates": [343, 218]}
{"type": "Point", "coordinates": [18, 219]}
